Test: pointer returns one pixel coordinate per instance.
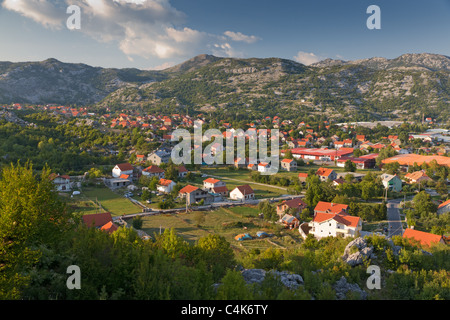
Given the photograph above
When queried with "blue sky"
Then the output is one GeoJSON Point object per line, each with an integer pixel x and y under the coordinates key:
{"type": "Point", "coordinates": [151, 34]}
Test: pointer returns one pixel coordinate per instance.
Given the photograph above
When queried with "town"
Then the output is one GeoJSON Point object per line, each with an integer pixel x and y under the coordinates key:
{"type": "Point", "coordinates": [344, 157]}
{"type": "Point", "coordinates": [351, 182]}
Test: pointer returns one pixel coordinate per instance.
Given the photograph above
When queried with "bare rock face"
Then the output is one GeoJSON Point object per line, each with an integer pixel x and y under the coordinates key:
{"type": "Point", "coordinates": [358, 251]}
{"type": "Point", "coordinates": [342, 288]}
{"type": "Point", "coordinates": [290, 280]}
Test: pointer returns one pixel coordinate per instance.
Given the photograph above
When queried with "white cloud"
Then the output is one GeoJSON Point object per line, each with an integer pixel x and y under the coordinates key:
{"type": "Point", "coordinates": [163, 66]}
{"type": "Point", "coordinates": [238, 36]}
{"type": "Point", "coordinates": [144, 28]}
{"type": "Point", "coordinates": [307, 58]}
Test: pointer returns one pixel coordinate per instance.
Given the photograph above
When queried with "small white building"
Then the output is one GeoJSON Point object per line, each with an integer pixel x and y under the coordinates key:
{"type": "Point", "coordinates": [165, 186]}
{"type": "Point", "coordinates": [123, 168]}
{"type": "Point", "coordinates": [62, 183]}
{"type": "Point", "coordinates": [242, 193]}
{"type": "Point", "coordinates": [263, 167]}
{"type": "Point", "coordinates": [211, 183]}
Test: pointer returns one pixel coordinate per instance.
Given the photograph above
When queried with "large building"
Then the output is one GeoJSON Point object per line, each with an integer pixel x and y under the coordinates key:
{"type": "Point", "coordinates": [319, 153]}
{"type": "Point", "coordinates": [406, 160]}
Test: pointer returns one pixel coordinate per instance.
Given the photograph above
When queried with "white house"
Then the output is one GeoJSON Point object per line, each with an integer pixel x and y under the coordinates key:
{"type": "Point", "coordinates": [62, 183]}
{"type": "Point", "coordinates": [211, 183]}
{"type": "Point", "coordinates": [123, 168]}
{"type": "Point", "coordinates": [263, 167]}
{"type": "Point", "coordinates": [165, 185]}
{"type": "Point", "coordinates": [335, 225]}
{"type": "Point", "coordinates": [242, 193]}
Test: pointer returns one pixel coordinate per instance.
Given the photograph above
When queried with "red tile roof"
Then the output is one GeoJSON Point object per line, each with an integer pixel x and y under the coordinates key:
{"type": "Point", "coordinates": [211, 180]}
{"type": "Point", "coordinates": [188, 189]}
{"type": "Point", "coordinates": [444, 204]}
{"type": "Point", "coordinates": [153, 169]}
{"type": "Point", "coordinates": [345, 219]}
{"type": "Point", "coordinates": [125, 167]}
{"type": "Point", "coordinates": [424, 238]}
{"type": "Point", "coordinates": [109, 227]}
{"type": "Point", "coordinates": [245, 189]}
{"type": "Point", "coordinates": [329, 207]}
{"type": "Point", "coordinates": [324, 172]}
{"type": "Point", "coordinates": [164, 182]}
{"type": "Point", "coordinates": [97, 219]}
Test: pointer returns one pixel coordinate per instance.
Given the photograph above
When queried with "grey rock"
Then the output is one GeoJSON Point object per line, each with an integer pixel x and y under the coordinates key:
{"type": "Point", "coordinates": [363, 253]}
{"type": "Point", "coordinates": [342, 288]}
{"type": "Point", "coordinates": [290, 280]}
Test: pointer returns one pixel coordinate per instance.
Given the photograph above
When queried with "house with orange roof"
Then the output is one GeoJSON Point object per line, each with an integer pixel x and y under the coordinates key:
{"type": "Point", "coordinates": [211, 183]}
{"type": "Point", "coordinates": [326, 174]}
{"type": "Point", "coordinates": [330, 207]}
{"type": "Point", "coordinates": [288, 165]}
{"type": "Point", "coordinates": [423, 238]}
{"type": "Point", "coordinates": [444, 207]}
{"type": "Point", "coordinates": [153, 171]}
{"type": "Point", "coordinates": [334, 225]}
{"type": "Point", "coordinates": [302, 176]}
{"type": "Point", "coordinates": [194, 194]}
{"type": "Point", "coordinates": [417, 176]}
{"type": "Point", "coordinates": [102, 221]}
{"type": "Point", "coordinates": [165, 185]}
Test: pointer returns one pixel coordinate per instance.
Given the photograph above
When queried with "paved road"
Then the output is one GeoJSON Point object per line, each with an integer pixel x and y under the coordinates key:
{"type": "Point", "coordinates": [393, 215]}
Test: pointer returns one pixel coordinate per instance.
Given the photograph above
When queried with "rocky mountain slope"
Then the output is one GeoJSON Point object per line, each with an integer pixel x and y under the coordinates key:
{"type": "Point", "coordinates": [404, 87]}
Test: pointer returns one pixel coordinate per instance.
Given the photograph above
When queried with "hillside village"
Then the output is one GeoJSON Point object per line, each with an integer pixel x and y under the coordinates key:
{"type": "Point", "coordinates": [403, 164]}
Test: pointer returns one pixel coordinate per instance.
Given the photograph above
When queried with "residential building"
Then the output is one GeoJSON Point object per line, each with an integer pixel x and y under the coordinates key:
{"type": "Point", "coordinates": [153, 171]}
{"type": "Point", "coordinates": [391, 182]}
{"type": "Point", "coordinates": [194, 195]}
{"type": "Point", "coordinates": [102, 221]}
{"type": "Point", "coordinates": [211, 183]}
{"type": "Point", "coordinates": [165, 185]}
{"type": "Point", "coordinates": [417, 177]}
{"type": "Point", "coordinates": [182, 171]}
{"type": "Point", "coordinates": [289, 221]}
{"type": "Point", "coordinates": [295, 205]}
{"type": "Point", "coordinates": [289, 165]}
{"type": "Point", "coordinates": [330, 207]}
{"type": "Point", "coordinates": [424, 238]}
{"type": "Point", "coordinates": [263, 167]}
{"type": "Point", "coordinates": [242, 193]}
{"type": "Point", "coordinates": [335, 225]}
{"type": "Point", "coordinates": [302, 177]}
{"type": "Point", "coordinates": [62, 183]}
{"type": "Point", "coordinates": [159, 156]}
{"type": "Point", "coordinates": [326, 174]}
{"type": "Point", "coordinates": [123, 168]}
{"type": "Point", "coordinates": [444, 207]}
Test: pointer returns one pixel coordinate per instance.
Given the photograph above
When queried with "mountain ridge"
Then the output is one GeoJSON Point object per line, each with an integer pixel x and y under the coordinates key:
{"type": "Point", "coordinates": [409, 84]}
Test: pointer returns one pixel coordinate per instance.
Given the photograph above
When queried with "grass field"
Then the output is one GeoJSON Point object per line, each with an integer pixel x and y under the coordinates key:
{"type": "Point", "coordinates": [234, 178]}
{"type": "Point", "coordinates": [227, 222]}
{"type": "Point", "coordinates": [101, 199]}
